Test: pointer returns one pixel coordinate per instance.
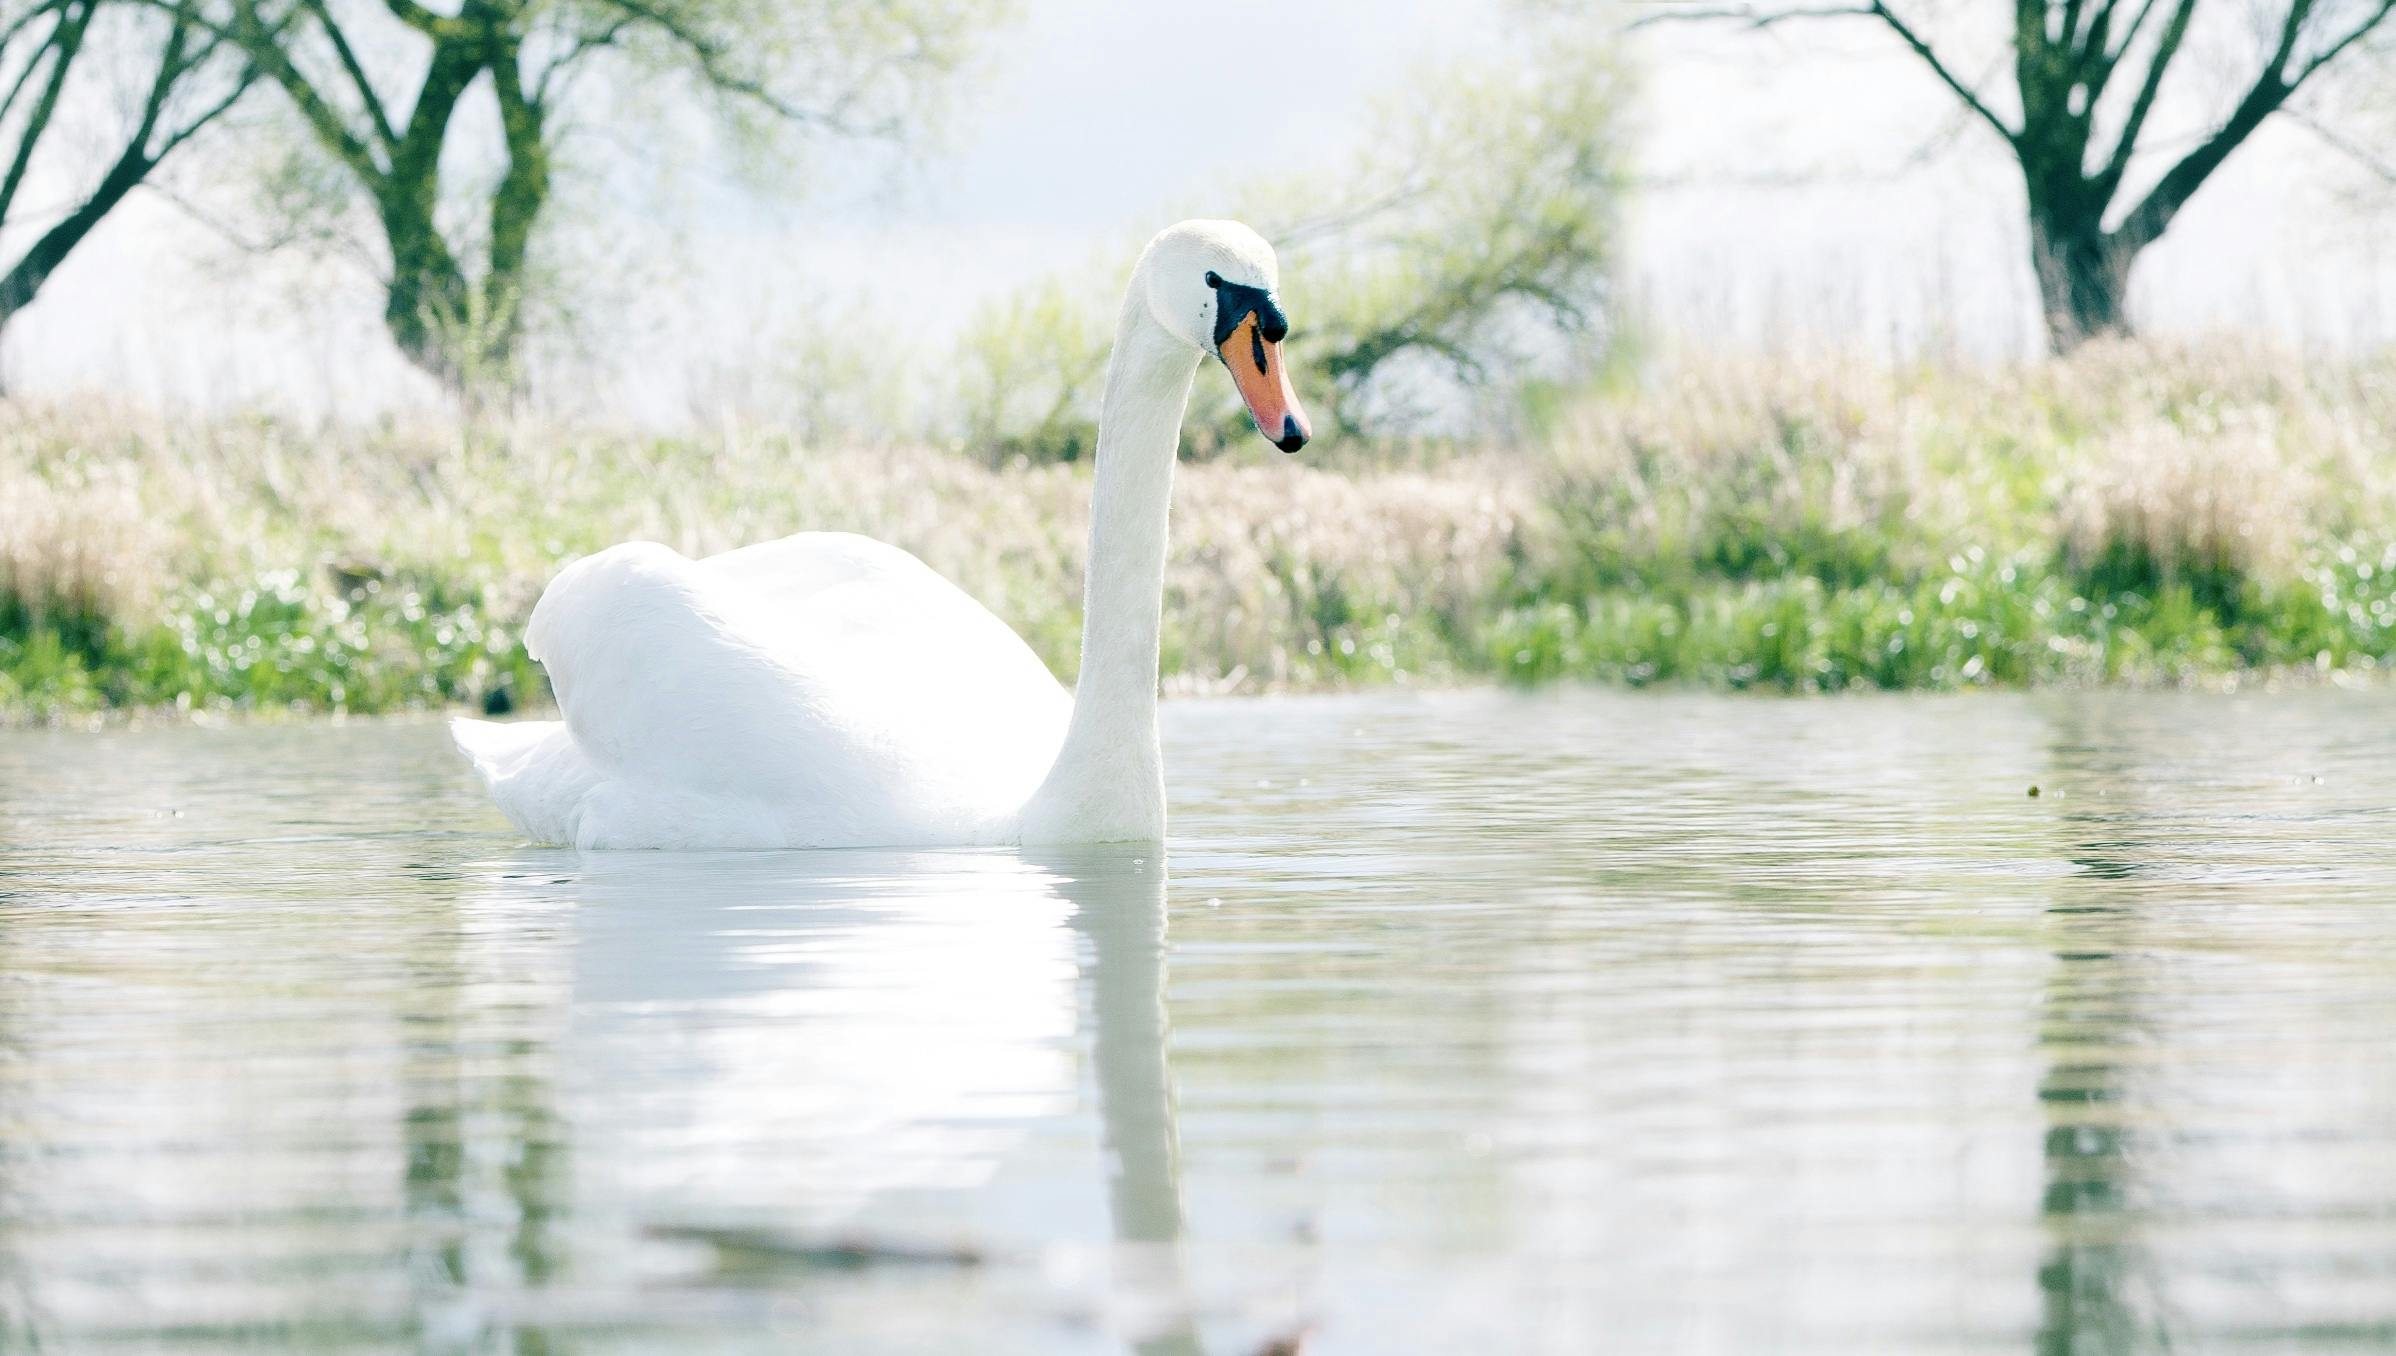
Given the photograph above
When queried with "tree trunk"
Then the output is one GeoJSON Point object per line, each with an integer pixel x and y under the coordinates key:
{"type": "Point", "coordinates": [463, 333]}
{"type": "Point", "coordinates": [516, 206]}
{"type": "Point", "coordinates": [2083, 276]}
{"type": "Point", "coordinates": [429, 307]}
{"type": "Point", "coordinates": [425, 305]}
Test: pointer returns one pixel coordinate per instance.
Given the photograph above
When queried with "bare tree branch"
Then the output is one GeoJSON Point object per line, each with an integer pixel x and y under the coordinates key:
{"type": "Point", "coordinates": [242, 85]}
{"type": "Point", "coordinates": [1746, 14]}
{"type": "Point", "coordinates": [1939, 68]}
{"type": "Point", "coordinates": [2370, 159]}
{"type": "Point", "coordinates": [2271, 91]}
{"type": "Point", "coordinates": [1765, 18]}
{"type": "Point", "coordinates": [583, 46]}
{"type": "Point", "coordinates": [2114, 53]}
{"type": "Point", "coordinates": [26, 20]}
{"type": "Point", "coordinates": [378, 120]}
{"type": "Point", "coordinates": [33, 62]}
{"type": "Point", "coordinates": [451, 303]}
{"type": "Point", "coordinates": [65, 40]}
{"type": "Point", "coordinates": [425, 21]}
{"type": "Point", "coordinates": [2291, 32]}
{"type": "Point", "coordinates": [2336, 49]}
{"type": "Point", "coordinates": [2065, 55]}
{"type": "Point", "coordinates": [264, 43]}
{"type": "Point", "coordinates": [171, 68]}
{"type": "Point", "coordinates": [713, 67]}
{"type": "Point", "coordinates": [2072, 34]}
{"type": "Point", "coordinates": [177, 58]}
{"type": "Point", "coordinates": [2166, 48]}
{"type": "Point", "coordinates": [2092, 40]}
{"type": "Point", "coordinates": [352, 249]}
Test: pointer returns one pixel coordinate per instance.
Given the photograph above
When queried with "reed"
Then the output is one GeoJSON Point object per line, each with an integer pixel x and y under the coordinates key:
{"type": "Point", "coordinates": [2130, 514]}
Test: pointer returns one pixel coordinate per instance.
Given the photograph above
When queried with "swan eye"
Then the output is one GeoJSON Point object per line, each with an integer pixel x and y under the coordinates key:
{"type": "Point", "coordinates": [1213, 279]}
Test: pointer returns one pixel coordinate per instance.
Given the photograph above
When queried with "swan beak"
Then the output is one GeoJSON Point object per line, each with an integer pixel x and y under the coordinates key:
{"type": "Point", "coordinates": [1264, 383]}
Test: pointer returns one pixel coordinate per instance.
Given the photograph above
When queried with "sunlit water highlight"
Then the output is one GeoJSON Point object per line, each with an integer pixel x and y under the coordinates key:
{"type": "Point", "coordinates": [1482, 1022]}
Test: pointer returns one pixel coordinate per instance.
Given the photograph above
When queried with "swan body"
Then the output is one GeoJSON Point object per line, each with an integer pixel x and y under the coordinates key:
{"type": "Point", "coordinates": [820, 690]}
{"type": "Point", "coordinates": [829, 690]}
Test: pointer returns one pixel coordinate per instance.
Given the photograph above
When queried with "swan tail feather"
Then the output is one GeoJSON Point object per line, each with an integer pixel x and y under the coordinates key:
{"type": "Point", "coordinates": [535, 773]}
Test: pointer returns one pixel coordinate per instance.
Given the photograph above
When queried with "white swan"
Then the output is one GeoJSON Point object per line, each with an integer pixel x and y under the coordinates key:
{"type": "Point", "coordinates": [828, 690]}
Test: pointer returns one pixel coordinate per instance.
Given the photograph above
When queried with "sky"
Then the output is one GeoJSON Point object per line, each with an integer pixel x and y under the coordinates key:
{"type": "Point", "coordinates": [1806, 188]}
{"type": "Point", "coordinates": [1813, 184]}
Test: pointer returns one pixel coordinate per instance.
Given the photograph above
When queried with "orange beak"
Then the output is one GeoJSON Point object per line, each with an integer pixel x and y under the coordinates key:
{"type": "Point", "coordinates": [1264, 383]}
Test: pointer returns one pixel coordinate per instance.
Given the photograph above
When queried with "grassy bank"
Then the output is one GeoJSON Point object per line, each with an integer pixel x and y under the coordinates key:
{"type": "Point", "coordinates": [2131, 514]}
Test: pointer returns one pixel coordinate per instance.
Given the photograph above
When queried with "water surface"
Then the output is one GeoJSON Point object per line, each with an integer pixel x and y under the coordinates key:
{"type": "Point", "coordinates": [1477, 1022]}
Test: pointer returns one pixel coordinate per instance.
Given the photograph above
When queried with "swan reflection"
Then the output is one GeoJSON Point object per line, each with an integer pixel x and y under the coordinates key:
{"type": "Point", "coordinates": [837, 1046]}
{"type": "Point", "coordinates": [1119, 910]}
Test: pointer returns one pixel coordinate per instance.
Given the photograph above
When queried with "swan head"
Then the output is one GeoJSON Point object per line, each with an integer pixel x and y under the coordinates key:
{"type": "Point", "coordinates": [1211, 284]}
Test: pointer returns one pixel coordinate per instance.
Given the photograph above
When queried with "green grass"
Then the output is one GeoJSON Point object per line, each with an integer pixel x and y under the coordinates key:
{"type": "Point", "coordinates": [2131, 515]}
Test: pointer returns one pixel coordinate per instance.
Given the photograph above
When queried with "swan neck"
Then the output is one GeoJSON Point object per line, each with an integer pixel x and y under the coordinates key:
{"type": "Point", "coordinates": [1108, 780]}
{"type": "Point", "coordinates": [1139, 435]}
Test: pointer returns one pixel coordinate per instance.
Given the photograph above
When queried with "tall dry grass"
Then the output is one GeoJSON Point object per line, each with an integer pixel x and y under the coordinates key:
{"type": "Point", "coordinates": [251, 562]}
{"type": "Point", "coordinates": [2133, 512]}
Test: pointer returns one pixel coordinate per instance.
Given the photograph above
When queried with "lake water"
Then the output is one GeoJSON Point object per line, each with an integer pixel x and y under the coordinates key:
{"type": "Point", "coordinates": [1564, 1022]}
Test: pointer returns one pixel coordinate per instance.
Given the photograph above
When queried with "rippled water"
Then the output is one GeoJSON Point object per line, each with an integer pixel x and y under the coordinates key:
{"type": "Point", "coordinates": [1481, 1022]}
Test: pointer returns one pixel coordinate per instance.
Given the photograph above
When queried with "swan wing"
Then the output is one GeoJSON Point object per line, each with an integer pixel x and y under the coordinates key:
{"type": "Point", "coordinates": [535, 772]}
{"type": "Point", "coordinates": [795, 568]}
{"type": "Point", "coordinates": [836, 681]}
{"type": "Point", "coordinates": [905, 659]}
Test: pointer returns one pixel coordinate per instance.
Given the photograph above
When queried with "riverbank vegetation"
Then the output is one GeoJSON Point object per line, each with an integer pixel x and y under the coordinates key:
{"type": "Point", "coordinates": [2127, 514]}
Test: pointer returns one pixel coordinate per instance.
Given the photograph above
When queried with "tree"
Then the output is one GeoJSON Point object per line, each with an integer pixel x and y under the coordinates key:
{"type": "Point", "coordinates": [2356, 119]}
{"type": "Point", "coordinates": [2087, 76]}
{"type": "Point", "coordinates": [380, 89]}
{"type": "Point", "coordinates": [1465, 254]}
{"type": "Point", "coordinates": [189, 79]}
{"type": "Point", "coordinates": [1472, 250]}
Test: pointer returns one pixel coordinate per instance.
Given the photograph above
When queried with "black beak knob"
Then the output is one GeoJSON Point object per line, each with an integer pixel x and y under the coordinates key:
{"type": "Point", "coordinates": [1292, 437]}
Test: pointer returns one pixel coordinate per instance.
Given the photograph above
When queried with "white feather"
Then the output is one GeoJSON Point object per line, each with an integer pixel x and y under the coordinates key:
{"type": "Point", "coordinates": [828, 690]}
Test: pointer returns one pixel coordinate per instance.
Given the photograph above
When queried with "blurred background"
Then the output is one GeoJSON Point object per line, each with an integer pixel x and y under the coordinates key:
{"type": "Point", "coordinates": [908, 177]}
{"type": "Point", "coordinates": [1679, 316]}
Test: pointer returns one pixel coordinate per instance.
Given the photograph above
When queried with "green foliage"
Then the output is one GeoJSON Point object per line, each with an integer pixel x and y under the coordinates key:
{"type": "Point", "coordinates": [1473, 252]}
{"type": "Point", "coordinates": [2127, 515]}
{"type": "Point", "coordinates": [1029, 373]}
{"type": "Point", "coordinates": [173, 77]}
{"type": "Point", "coordinates": [274, 641]}
{"type": "Point", "coordinates": [375, 92]}
{"type": "Point", "coordinates": [1463, 260]}
{"type": "Point", "coordinates": [777, 74]}
{"type": "Point", "coordinates": [1979, 622]}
